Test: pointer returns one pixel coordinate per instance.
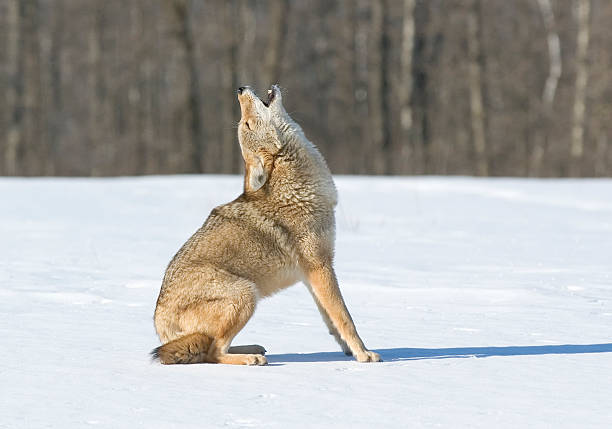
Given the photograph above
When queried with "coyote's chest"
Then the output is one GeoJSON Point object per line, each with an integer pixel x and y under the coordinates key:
{"type": "Point", "coordinates": [278, 280]}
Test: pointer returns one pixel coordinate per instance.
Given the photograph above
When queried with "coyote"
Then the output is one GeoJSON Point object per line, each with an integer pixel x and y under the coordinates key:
{"type": "Point", "coordinates": [281, 230]}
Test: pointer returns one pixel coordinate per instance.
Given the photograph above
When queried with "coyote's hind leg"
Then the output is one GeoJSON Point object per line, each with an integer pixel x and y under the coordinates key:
{"type": "Point", "coordinates": [220, 353]}
{"type": "Point", "coordinates": [232, 312]}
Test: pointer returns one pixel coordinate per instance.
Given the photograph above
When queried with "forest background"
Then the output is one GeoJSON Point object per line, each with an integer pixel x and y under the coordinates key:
{"type": "Point", "coordinates": [470, 87]}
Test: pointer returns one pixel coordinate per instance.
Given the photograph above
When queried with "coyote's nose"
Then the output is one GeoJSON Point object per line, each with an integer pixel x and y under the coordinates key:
{"type": "Point", "coordinates": [242, 89]}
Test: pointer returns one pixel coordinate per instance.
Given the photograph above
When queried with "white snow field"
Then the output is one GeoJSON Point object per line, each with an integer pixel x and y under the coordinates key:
{"type": "Point", "coordinates": [490, 301]}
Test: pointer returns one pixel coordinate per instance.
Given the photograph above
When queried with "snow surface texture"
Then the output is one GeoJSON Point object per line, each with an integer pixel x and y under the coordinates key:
{"type": "Point", "coordinates": [489, 300]}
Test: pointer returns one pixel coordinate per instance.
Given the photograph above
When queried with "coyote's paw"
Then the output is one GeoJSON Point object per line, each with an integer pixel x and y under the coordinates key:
{"type": "Point", "coordinates": [368, 356]}
{"type": "Point", "coordinates": [256, 360]}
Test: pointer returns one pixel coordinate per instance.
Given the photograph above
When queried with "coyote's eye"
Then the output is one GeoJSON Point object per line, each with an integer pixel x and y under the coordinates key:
{"type": "Point", "coordinates": [249, 124]}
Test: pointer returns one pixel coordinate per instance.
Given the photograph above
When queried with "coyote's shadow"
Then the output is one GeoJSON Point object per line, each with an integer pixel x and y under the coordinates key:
{"type": "Point", "coordinates": [404, 353]}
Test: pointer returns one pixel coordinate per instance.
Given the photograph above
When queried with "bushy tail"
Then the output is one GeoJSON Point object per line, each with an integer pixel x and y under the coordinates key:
{"type": "Point", "coordinates": [191, 348]}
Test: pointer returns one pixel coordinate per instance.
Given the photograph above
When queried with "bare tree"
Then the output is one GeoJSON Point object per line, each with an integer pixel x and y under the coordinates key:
{"type": "Point", "coordinates": [360, 99]}
{"type": "Point", "coordinates": [13, 132]}
{"type": "Point", "coordinates": [229, 81]}
{"type": "Point", "coordinates": [406, 82]}
{"type": "Point", "coordinates": [375, 92]}
{"type": "Point", "coordinates": [550, 87]}
{"type": "Point", "coordinates": [55, 82]}
{"type": "Point", "coordinates": [475, 87]}
{"type": "Point", "coordinates": [181, 9]}
{"type": "Point", "coordinates": [582, 46]}
{"type": "Point", "coordinates": [93, 60]}
{"type": "Point", "coordinates": [554, 53]}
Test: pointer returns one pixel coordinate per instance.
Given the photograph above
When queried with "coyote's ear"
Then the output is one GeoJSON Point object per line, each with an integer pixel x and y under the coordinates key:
{"type": "Point", "coordinates": [277, 96]}
{"type": "Point", "coordinates": [257, 174]}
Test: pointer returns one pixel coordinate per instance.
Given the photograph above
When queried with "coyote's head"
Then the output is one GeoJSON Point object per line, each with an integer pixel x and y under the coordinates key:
{"type": "Point", "coordinates": [258, 134]}
{"type": "Point", "coordinates": [276, 151]}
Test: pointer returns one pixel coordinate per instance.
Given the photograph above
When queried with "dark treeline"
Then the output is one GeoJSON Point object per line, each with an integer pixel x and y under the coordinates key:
{"type": "Point", "coordinates": [478, 87]}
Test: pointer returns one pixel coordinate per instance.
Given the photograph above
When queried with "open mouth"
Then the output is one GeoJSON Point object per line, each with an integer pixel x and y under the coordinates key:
{"type": "Point", "coordinates": [270, 98]}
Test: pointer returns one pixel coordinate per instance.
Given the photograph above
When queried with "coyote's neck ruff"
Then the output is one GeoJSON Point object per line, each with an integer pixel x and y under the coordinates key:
{"type": "Point", "coordinates": [278, 232]}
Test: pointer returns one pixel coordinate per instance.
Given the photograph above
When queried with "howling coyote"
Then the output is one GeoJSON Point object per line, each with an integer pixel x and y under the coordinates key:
{"type": "Point", "coordinates": [281, 230]}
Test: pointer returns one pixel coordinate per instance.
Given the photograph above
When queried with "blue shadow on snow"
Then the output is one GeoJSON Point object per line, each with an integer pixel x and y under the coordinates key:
{"type": "Point", "coordinates": [404, 353]}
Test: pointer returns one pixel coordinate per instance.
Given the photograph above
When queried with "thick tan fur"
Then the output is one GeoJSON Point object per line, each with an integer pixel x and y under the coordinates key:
{"type": "Point", "coordinates": [281, 230]}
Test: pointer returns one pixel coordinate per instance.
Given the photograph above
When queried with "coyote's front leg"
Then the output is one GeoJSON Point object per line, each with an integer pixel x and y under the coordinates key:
{"type": "Point", "coordinates": [324, 286]}
{"type": "Point", "coordinates": [330, 325]}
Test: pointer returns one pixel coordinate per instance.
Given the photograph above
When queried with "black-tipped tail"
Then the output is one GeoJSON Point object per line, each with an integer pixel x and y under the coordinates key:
{"type": "Point", "coordinates": [155, 353]}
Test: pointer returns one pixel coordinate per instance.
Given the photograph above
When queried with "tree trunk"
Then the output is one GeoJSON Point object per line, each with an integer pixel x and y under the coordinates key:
{"type": "Point", "coordinates": [361, 110]}
{"type": "Point", "coordinates": [550, 87]}
{"type": "Point", "coordinates": [375, 93]}
{"type": "Point", "coordinates": [93, 62]}
{"type": "Point", "coordinates": [14, 90]}
{"type": "Point", "coordinates": [185, 34]}
{"type": "Point", "coordinates": [601, 154]}
{"type": "Point", "coordinates": [582, 46]}
{"type": "Point", "coordinates": [475, 87]}
{"type": "Point", "coordinates": [224, 155]}
{"type": "Point", "coordinates": [56, 104]}
{"type": "Point", "coordinates": [405, 87]}
{"type": "Point", "coordinates": [554, 53]}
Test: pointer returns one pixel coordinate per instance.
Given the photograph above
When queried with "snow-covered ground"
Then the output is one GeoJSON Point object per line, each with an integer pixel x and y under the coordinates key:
{"type": "Point", "coordinates": [490, 301]}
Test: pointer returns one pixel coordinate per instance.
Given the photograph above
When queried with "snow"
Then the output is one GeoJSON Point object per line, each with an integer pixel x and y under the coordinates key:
{"type": "Point", "coordinates": [490, 301]}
